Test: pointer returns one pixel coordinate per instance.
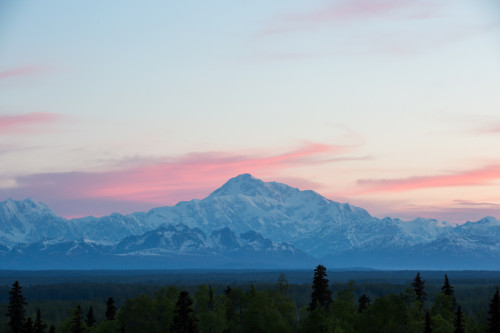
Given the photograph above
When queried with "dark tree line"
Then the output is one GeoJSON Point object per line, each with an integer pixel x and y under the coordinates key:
{"type": "Point", "coordinates": [269, 310]}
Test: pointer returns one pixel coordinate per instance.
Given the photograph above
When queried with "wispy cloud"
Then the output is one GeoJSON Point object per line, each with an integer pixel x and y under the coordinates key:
{"type": "Point", "coordinates": [168, 180]}
{"type": "Point", "coordinates": [478, 204]}
{"type": "Point", "coordinates": [4, 149]}
{"type": "Point", "coordinates": [490, 129]}
{"type": "Point", "coordinates": [481, 176]}
{"type": "Point", "coordinates": [344, 12]}
{"type": "Point", "coordinates": [22, 71]}
{"type": "Point", "coordinates": [26, 123]}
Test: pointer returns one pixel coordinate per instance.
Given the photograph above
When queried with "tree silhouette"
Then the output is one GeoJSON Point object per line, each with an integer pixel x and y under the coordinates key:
{"type": "Point", "coordinates": [363, 302]}
{"type": "Point", "coordinates": [15, 310]}
{"type": "Point", "coordinates": [283, 284]}
{"type": "Point", "coordinates": [184, 321]}
{"type": "Point", "coordinates": [28, 326]}
{"type": "Point", "coordinates": [447, 289]}
{"type": "Point", "coordinates": [321, 295]}
{"type": "Point", "coordinates": [39, 326]}
{"type": "Point", "coordinates": [52, 329]}
{"type": "Point", "coordinates": [494, 314]}
{"type": "Point", "coordinates": [459, 321]}
{"type": "Point", "coordinates": [76, 324]}
{"type": "Point", "coordinates": [418, 288]}
{"type": "Point", "coordinates": [110, 309]}
{"type": "Point", "coordinates": [90, 320]}
{"type": "Point", "coordinates": [428, 323]}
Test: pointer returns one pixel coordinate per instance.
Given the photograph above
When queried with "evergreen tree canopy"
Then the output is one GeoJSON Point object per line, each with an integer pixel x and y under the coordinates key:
{"type": "Point", "coordinates": [428, 323]}
{"type": "Point", "coordinates": [363, 302]}
{"type": "Point", "coordinates": [210, 298]}
{"type": "Point", "coordinates": [234, 303]}
{"type": "Point", "coordinates": [321, 295]}
{"type": "Point", "coordinates": [209, 309]}
{"type": "Point", "coordinates": [76, 324]}
{"type": "Point", "coordinates": [110, 309]}
{"type": "Point", "coordinates": [184, 320]}
{"type": "Point", "coordinates": [28, 326]}
{"type": "Point", "coordinates": [418, 287]}
{"type": "Point", "coordinates": [494, 314]}
{"type": "Point", "coordinates": [15, 310]}
{"type": "Point", "coordinates": [227, 291]}
{"type": "Point", "coordinates": [52, 329]}
{"type": "Point", "coordinates": [447, 289]}
{"type": "Point", "coordinates": [459, 321]}
{"type": "Point", "coordinates": [90, 320]}
{"type": "Point", "coordinates": [39, 326]}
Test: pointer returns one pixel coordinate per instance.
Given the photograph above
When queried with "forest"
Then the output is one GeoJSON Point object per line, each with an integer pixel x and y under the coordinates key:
{"type": "Point", "coordinates": [280, 306]}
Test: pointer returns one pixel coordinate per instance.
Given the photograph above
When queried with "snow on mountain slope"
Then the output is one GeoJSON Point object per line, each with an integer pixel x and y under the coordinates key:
{"type": "Point", "coordinates": [110, 229]}
{"type": "Point", "coordinates": [165, 239]}
{"type": "Point", "coordinates": [169, 246]}
{"type": "Point", "coordinates": [244, 203]}
{"type": "Point", "coordinates": [247, 212]}
{"type": "Point", "coordinates": [29, 221]}
{"type": "Point", "coordinates": [178, 239]}
{"type": "Point", "coordinates": [303, 218]}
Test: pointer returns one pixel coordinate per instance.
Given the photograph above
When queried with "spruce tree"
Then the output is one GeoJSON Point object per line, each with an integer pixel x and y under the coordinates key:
{"type": "Point", "coordinates": [15, 310]}
{"type": "Point", "coordinates": [90, 320]}
{"type": "Point", "coordinates": [39, 326]}
{"type": "Point", "coordinates": [447, 289]}
{"type": "Point", "coordinates": [363, 302]}
{"type": "Point", "coordinates": [52, 329]}
{"type": "Point", "coordinates": [494, 314]}
{"type": "Point", "coordinates": [76, 324]}
{"type": "Point", "coordinates": [418, 288]}
{"type": "Point", "coordinates": [428, 323]}
{"type": "Point", "coordinates": [110, 309]}
{"type": "Point", "coordinates": [28, 326]}
{"type": "Point", "coordinates": [321, 295]}
{"type": "Point", "coordinates": [459, 321]}
{"type": "Point", "coordinates": [210, 298]}
{"type": "Point", "coordinates": [283, 284]}
{"type": "Point", "coordinates": [184, 320]}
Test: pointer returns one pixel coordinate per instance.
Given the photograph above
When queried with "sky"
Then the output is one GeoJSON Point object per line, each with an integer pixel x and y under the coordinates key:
{"type": "Point", "coordinates": [390, 105]}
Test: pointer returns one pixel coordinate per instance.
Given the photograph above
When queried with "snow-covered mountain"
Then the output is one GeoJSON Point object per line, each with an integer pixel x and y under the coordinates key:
{"type": "Point", "coordinates": [168, 246]}
{"type": "Point", "coordinates": [29, 221]}
{"type": "Point", "coordinates": [247, 214]}
{"type": "Point", "coordinates": [304, 218]}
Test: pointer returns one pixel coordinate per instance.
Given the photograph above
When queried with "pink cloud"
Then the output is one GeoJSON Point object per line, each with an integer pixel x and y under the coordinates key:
{"type": "Point", "coordinates": [26, 123]}
{"type": "Point", "coordinates": [490, 130]}
{"type": "Point", "coordinates": [470, 203]}
{"type": "Point", "coordinates": [345, 11]}
{"type": "Point", "coordinates": [481, 176]}
{"type": "Point", "coordinates": [201, 170]}
{"type": "Point", "coordinates": [161, 182]}
{"type": "Point", "coordinates": [21, 71]}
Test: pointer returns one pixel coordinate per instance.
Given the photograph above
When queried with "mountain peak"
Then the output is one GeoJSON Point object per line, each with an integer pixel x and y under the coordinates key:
{"type": "Point", "coordinates": [25, 205]}
{"type": "Point", "coordinates": [242, 184]}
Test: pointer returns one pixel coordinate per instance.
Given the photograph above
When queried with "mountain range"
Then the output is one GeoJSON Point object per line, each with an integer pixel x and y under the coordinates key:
{"type": "Point", "coordinates": [246, 223]}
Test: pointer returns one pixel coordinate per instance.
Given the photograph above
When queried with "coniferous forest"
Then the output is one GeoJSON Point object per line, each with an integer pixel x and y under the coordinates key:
{"type": "Point", "coordinates": [318, 306]}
